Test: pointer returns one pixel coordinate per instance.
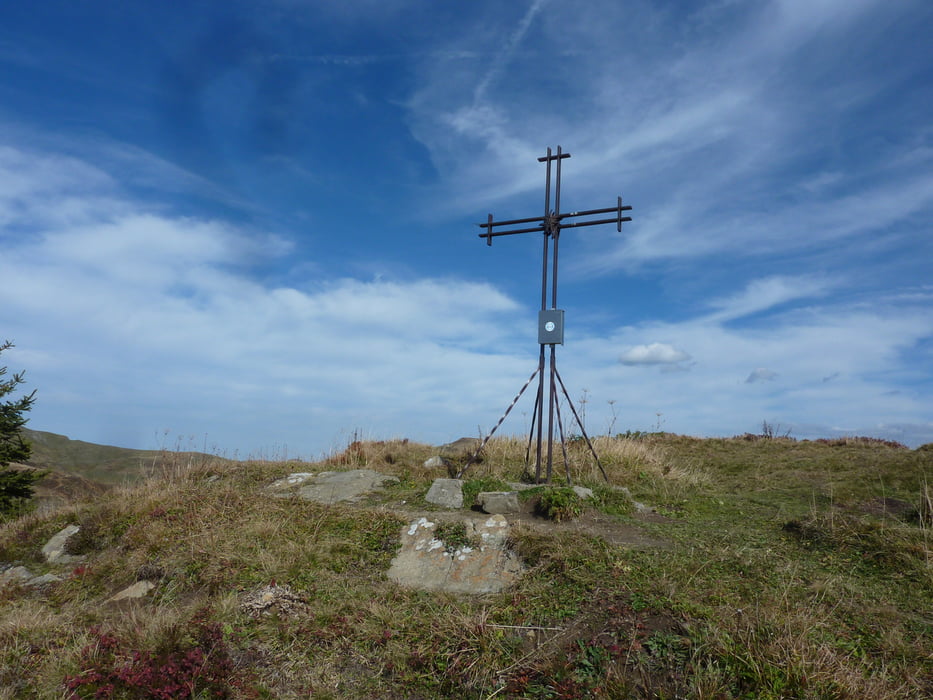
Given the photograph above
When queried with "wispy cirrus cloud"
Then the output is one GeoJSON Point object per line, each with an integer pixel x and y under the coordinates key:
{"type": "Point", "coordinates": [709, 146]}
{"type": "Point", "coordinates": [501, 60]}
{"type": "Point", "coordinates": [765, 294]}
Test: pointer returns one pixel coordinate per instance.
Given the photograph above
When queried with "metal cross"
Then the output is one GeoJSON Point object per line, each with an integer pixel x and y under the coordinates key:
{"type": "Point", "coordinates": [550, 323]}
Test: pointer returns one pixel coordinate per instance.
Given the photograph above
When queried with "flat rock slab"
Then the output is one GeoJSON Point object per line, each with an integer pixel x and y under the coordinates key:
{"type": "Point", "coordinates": [288, 484]}
{"type": "Point", "coordinates": [486, 565]}
{"type": "Point", "coordinates": [446, 492]}
{"type": "Point", "coordinates": [330, 487]}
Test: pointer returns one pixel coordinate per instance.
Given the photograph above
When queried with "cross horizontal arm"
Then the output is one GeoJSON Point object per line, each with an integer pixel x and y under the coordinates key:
{"type": "Point", "coordinates": [572, 224]}
{"type": "Point", "coordinates": [578, 224]}
{"type": "Point", "coordinates": [488, 225]}
{"type": "Point", "coordinates": [618, 220]}
{"type": "Point", "coordinates": [627, 207]}
{"type": "Point", "coordinates": [536, 229]}
{"type": "Point", "coordinates": [510, 222]}
{"type": "Point", "coordinates": [559, 156]}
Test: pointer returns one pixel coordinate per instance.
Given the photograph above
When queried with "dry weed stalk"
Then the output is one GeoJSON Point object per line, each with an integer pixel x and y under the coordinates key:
{"type": "Point", "coordinates": [925, 514]}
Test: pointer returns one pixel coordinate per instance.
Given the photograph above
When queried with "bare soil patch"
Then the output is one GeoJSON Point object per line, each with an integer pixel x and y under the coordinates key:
{"type": "Point", "coordinates": [595, 524]}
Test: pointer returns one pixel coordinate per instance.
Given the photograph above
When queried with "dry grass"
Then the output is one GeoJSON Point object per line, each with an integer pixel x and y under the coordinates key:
{"type": "Point", "coordinates": [622, 460]}
{"type": "Point", "coordinates": [739, 604]}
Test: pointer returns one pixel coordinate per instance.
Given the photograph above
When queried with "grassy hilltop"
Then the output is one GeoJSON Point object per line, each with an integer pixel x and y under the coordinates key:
{"type": "Point", "coordinates": [770, 568]}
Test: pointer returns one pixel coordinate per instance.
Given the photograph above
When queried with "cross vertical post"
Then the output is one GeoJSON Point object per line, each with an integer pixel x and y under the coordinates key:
{"type": "Point", "coordinates": [552, 230]}
{"type": "Point", "coordinates": [550, 320]}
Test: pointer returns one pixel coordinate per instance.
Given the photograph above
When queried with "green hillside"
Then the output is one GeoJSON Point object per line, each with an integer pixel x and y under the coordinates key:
{"type": "Point", "coordinates": [100, 463]}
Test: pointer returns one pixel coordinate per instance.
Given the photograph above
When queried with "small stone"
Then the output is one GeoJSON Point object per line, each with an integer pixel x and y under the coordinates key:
{"type": "Point", "coordinates": [435, 462]}
{"type": "Point", "coordinates": [639, 507]}
{"type": "Point", "coordinates": [43, 580]}
{"type": "Point", "coordinates": [24, 577]}
{"type": "Point", "coordinates": [446, 492]}
{"type": "Point", "coordinates": [16, 574]}
{"type": "Point", "coordinates": [137, 590]}
{"type": "Point", "coordinates": [463, 447]}
{"type": "Point", "coordinates": [273, 600]}
{"type": "Point", "coordinates": [583, 492]}
{"type": "Point", "coordinates": [54, 549]}
{"type": "Point", "coordinates": [495, 502]}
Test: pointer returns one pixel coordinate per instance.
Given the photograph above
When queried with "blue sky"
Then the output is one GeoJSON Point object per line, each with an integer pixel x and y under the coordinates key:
{"type": "Point", "coordinates": [250, 227]}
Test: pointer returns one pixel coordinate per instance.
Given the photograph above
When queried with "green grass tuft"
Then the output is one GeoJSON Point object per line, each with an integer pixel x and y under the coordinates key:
{"type": "Point", "coordinates": [559, 504]}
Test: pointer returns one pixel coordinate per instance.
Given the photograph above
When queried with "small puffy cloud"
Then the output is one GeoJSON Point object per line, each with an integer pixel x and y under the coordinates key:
{"type": "Point", "coordinates": [761, 375]}
{"type": "Point", "coordinates": [653, 354]}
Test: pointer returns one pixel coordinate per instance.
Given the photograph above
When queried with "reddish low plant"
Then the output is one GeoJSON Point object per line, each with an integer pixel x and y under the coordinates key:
{"type": "Point", "coordinates": [202, 667]}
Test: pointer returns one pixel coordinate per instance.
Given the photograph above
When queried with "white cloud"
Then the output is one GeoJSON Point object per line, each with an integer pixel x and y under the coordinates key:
{"type": "Point", "coordinates": [134, 320]}
{"type": "Point", "coordinates": [803, 348]}
{"type": "Point", "coordinates": [38, 188]}
{"type": "Point", "coordinates": [653, 354]}
{"type": "Point", "coordinates": [142, 321]}
{"type": "Point", "coordinates": [761, 375]}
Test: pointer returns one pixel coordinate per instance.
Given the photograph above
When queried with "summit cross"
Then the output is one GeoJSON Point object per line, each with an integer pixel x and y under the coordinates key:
{"type": "Point", "coordinates": [550, 318]}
